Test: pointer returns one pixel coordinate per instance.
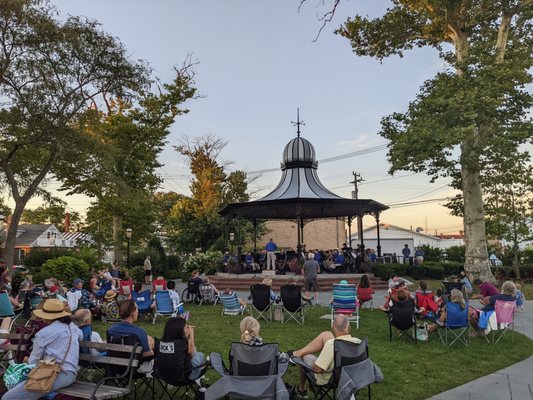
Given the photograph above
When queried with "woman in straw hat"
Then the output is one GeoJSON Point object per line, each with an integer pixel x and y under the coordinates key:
{"type": "Point", "coordinates": [58, 341]}
{"type": "Point", "coordinates": [110, 306]}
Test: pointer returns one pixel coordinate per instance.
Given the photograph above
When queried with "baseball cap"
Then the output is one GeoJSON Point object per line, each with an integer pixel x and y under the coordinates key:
{"type": "Point", "coordinates": [76, 281]}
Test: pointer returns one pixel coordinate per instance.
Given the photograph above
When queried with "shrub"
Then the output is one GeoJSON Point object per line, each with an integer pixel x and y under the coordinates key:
{"type": "Point", "coordinates": [137, 273]}
{"type": "Point", "coordinates": [207, 263]}
{"type": "Point", "coordinates": [36, 258]}
{"type": "Point", "coordinates": [431, 253]}
{"type": "Point", "coordinates": [505, 273]}
{"type": "Point", "coordinates": [434, 272]}
{"type": "Point", "coordinates": [175, 262]}
{"type": "Point", "coordinates": [455, 254]}
{"type": "Point", "coordinates": [65, 268]}
{"type": "Point", "coordinates": [384, 271]}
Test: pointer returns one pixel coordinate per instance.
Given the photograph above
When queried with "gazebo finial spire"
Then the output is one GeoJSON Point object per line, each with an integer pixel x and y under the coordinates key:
{"type": "Point", "coordinates": [298, 122]}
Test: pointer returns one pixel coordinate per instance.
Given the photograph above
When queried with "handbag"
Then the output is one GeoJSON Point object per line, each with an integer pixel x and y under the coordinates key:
{"type": "Point", "coordinates": [41, 379]}
{"type": "Point", "coordinates": [422, 333]}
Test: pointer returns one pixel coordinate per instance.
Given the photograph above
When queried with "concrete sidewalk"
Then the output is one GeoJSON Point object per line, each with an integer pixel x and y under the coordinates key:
{"type": "Point", "coordinates": [512, 383]}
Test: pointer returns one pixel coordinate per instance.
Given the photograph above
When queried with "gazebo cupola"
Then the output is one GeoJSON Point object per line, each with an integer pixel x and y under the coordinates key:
{"type": "Point", "coordinates": [299, 177]}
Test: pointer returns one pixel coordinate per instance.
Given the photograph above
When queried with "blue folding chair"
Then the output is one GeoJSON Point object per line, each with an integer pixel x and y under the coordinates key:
{"type": "Point", "coordinates": [456, 324]}
{"type": "Point", "coordinates": [164, 306]}
{"type": "Point", "coordinates": [144, 302]}
{"type": "Point", "coordinates": [104, 288]}
{"type": "Point", "coordinates": [231, 305]}
{"type": "Point", "coordinates": [345, 302]}
{"type": "Point", "coordinates": [6, 309]}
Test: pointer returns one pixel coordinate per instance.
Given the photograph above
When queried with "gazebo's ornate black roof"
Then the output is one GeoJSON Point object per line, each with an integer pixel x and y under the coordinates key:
{"type": "Point", "coordinates": [300, 194]}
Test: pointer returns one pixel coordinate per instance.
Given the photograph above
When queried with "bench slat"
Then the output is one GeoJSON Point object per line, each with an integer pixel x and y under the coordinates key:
{"type": "Point", "coordinates": [111, 346]}
{"type": "Point", "coordinates": [12, 347]}
{"type": "Point", "coordinates": [85, 390]}
{"type": "Point", "coordinates": [108, 360]}
{"type": "Point", "coordinates": [15, 336]}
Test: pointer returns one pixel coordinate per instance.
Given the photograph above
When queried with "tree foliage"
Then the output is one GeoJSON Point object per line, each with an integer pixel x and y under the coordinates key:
{"type": "Point", "coordinates": [51, 214]}
{"type": "Point", "coordinates": [472, 116]}
{"type": "Point", "coordinates": [194, 221]}
{"type": "Point", "coordinates": [52, 72]}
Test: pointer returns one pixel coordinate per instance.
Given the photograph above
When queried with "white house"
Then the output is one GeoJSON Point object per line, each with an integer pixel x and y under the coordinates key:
{"type": "Point", "coordinates": [394, 238]}
{"type": "Point", "coordinates": [30, 236]}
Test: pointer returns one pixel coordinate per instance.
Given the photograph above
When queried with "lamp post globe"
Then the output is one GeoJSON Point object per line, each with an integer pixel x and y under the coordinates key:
{"type": "Point", "coordinates": [128, 236]}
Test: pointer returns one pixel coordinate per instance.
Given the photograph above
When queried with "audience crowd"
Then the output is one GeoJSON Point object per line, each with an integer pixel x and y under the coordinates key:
{"type": "Point", "coordinates": [67, 314]}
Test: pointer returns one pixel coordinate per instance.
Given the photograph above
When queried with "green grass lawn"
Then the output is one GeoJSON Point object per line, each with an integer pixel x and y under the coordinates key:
{"type": "Point", "coordinates": [411, 371]}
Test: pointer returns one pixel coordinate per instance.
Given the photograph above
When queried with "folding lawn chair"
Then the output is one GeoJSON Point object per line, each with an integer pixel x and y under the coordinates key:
{"type": "Point", "coordinates": [144, 303]}
{"type": "Point", "coordinates": [402, 317]}
{"type": "Point", "coordinates": [352, 371]}
{"type": "Point", "coordinates": [456, 325]}
{"type": "Point", "coordinates": [6, 309]}
{"type": "Point", "coordinates": [505, 318]}
{"type": "Point", "coordinates": [172, 367]}
{"type": "Point", "coordinates": [108, 285]}
{"type": "Point", "coordinates": [261, 302]}
{"type": "Point", "coordinates": [255, 372]}
{"type": "Point", "coordinates": [126, 288]}
{"type": "Point", "coordinates": [427, 301]}
{"type": "Point", "coordinates": [163, 305]}
{"type": "Point", "coordinates": [231, 305]}
{"type": "Point", "coordinates": [345, 302]}
{"type": "Point", "coordinates": [207, 294]}
{"type": "Point", "coordinates": [447, 287]}
{"type": "Point", "coordinates": [159, 284]}
{"type": "Point", "coordinates": [291, 299]}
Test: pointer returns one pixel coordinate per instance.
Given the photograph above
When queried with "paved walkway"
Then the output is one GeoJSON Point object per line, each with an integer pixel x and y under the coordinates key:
{"type": "Point", "coordinates": [512, 383]}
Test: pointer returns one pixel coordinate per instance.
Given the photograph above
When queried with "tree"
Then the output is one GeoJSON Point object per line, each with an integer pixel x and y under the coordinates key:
{"type": "Point", "coordinates": [194, 221]}
{"type": "Point", "coordinates": [509, 206]}
{"type": "Point", "coordinates": [471, 115]}
{"type": "Point", "coordinates": [122, 175]}
{"type": "Point", "coordinates": [51, 72]}
{"type": "Point", "coordinates": [51, 214]}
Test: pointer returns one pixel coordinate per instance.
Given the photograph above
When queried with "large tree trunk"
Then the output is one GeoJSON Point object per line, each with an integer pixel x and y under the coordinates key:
{"type": "Point", "coordinates": [118, 238]}
{"type": "Point", "coordinates": [9, 249]}
{"type": "Point", "coordinates": [476, 256]}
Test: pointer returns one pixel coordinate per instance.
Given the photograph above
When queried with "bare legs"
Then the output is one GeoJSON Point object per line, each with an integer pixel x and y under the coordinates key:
{"type": "Point", "coordinates": [314, 346]}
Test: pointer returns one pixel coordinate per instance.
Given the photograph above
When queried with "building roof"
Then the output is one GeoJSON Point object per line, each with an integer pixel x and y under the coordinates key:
{"type": "Point", "coordinates": [78, 237]}
{"type": "Point", "coordinates": [300, 194]}
{"type": "Point", "coordinates": [383, 225]}
{"type": "Point", "coordinates": [29, 233]}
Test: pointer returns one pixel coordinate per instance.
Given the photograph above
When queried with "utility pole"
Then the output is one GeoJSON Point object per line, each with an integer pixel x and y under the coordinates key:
{"type": "Point", "coordinates": [355, 195]}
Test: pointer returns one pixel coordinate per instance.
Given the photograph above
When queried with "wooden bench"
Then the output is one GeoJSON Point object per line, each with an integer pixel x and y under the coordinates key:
{"type": "Point", "coordinates": [11, 351]}
{"type": "Point", "coordinates": [97, 391]}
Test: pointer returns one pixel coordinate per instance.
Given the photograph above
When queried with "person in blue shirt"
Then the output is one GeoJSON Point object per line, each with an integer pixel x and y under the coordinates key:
{"type": "Point", "coordinates": [129, 312]}
{"type": "Point", "coordinates": [249, 261]}
{"type": "Point", "coordinates": [406, 251]}
{"type": "Point", "coordinates": [419, 256]}
{"type": "Point", "coordinates": [271, 248]}
{"type": "Point", "coordinates": [339, 258]}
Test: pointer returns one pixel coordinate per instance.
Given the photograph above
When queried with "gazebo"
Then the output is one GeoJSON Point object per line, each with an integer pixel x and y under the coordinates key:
{"type": "Point", "coordinates": [301, 197]}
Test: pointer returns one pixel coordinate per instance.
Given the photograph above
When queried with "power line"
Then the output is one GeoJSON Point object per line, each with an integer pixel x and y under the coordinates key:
{"type": "Point", "coordinates": [331, 159]}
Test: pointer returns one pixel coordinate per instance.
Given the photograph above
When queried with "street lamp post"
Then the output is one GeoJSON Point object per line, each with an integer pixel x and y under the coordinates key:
{"type": "Point", "coordinates": [2, 234]}
{"type": "Point", "coordinates": [128, 236]}
{"type": "Point", "coordinates": [231, 239]}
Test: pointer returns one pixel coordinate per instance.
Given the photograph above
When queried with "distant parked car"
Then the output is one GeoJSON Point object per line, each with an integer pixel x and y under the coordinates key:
{"type": "Point", "coordinates": [19, 268]}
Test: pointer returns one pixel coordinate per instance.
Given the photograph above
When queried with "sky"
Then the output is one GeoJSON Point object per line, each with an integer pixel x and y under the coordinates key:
{"type": "Point", "coordinates": [257, 63]}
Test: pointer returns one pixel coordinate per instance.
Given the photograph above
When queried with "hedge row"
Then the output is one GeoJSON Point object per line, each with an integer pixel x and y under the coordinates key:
{"type": "Point", "coordinates": [433, 270]}
{"type": "Point", "coordinates": [441, 270]}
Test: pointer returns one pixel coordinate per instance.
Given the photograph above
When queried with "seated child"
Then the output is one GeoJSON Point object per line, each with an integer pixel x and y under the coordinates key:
{"type": "Point", "coordinates": [520, 298]}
